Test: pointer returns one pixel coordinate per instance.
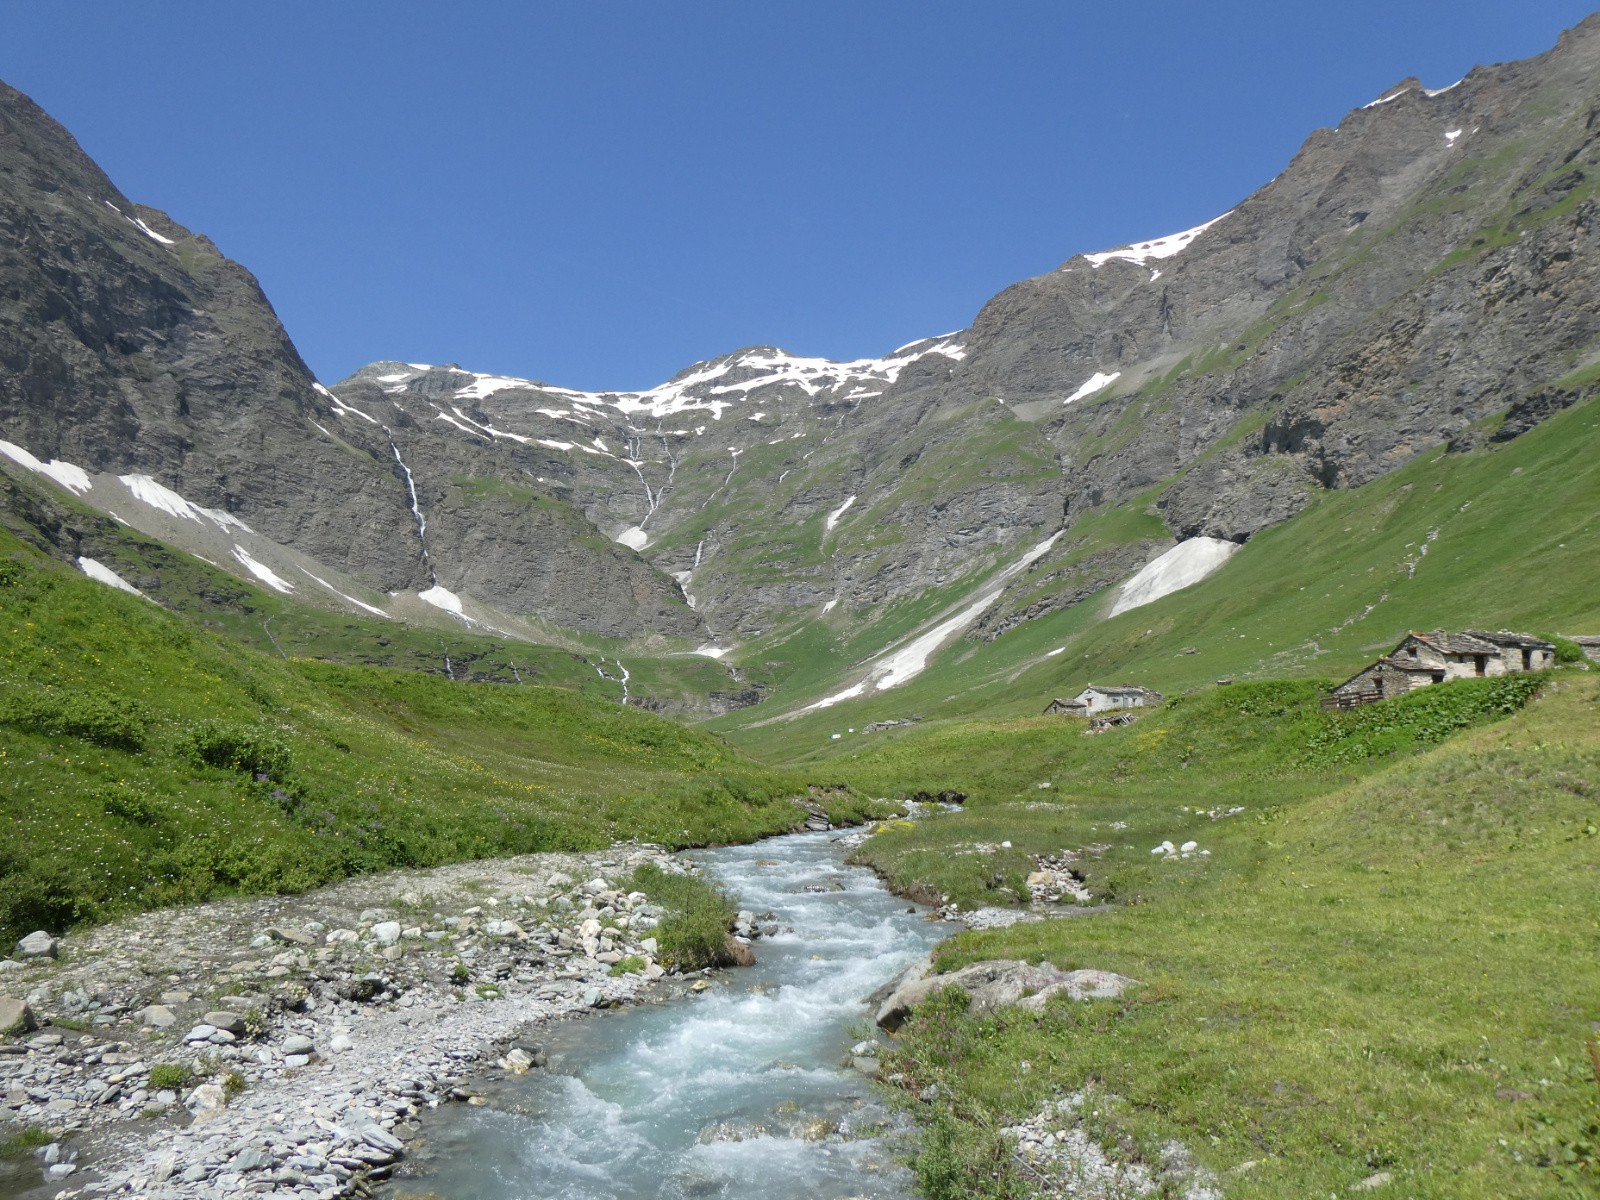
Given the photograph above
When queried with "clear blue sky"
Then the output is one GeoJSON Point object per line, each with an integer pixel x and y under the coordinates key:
{"type": "Point", "coordinates": [598, 194]}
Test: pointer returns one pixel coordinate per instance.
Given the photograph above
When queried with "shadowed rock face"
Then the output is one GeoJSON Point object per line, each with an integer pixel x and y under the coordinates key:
{"type": "Point", "coordinates": [1426, 266]}
{"type": "Point", "coordinates": [129, 344]}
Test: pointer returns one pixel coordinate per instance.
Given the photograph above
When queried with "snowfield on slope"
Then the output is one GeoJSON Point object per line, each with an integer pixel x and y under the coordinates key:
{"type": "Point", "coordinates": [906, 662]}
{"type": "Point", "coordinates": [1186, 563]}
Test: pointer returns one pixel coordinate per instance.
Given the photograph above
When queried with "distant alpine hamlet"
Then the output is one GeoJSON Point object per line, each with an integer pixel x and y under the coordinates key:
{"type": "Point", "coordinates": [1144, 743]}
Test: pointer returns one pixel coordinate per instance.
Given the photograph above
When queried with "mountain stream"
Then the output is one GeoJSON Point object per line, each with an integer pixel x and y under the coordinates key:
{"type": "Point", "coordinates": [737, 1093]}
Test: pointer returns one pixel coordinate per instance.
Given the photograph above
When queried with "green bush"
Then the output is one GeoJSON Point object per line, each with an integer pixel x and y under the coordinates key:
{"type": "Point", "coordinates": [248, 749]}
{"type": "Point", "coordinates": [170, 1076]}
{"type": "Point", "coordinates": [694, 932]}
{"type": "Point", "coordinates": [1566, 651]}
{"type": "Point", "coordinates": [129, 802]}
{"type": "Point", "coordinates": [632, 965]}
{"type": "Point", "coordinates": [101, 718]}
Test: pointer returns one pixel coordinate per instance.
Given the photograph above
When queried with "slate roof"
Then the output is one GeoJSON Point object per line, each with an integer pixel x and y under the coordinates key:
{"type": "Point", "coordinates": [1504, 637]}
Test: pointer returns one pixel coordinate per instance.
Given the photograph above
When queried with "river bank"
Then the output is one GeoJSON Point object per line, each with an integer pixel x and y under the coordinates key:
{"type": "Point", "coordinates": [284, 1045]}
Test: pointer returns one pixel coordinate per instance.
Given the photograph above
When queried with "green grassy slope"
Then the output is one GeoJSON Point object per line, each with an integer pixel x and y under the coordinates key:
{"type": "Point", "coordinates": [145, 761]}
{"type": "Point", "coordinates": [1398, 974]}
{"type": "Point", "coordinates": [1503, 535]}
{"type": "Point", "coordinates": [289, 627]}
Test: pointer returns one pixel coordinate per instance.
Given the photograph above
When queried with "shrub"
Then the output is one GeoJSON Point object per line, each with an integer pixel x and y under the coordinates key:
{"type": "Point", "coordinates": [114, 722]}
{"type": "Point", "coordinates": [694, 932]}
{"type": "Point", "coordinates": [632, 965]}
{"type": "Point", "coordinates": [1566, 651]}
{"type": "Point", "coordinates": [250, 750]}
{"type": "Point", "coordinates": [129, 802]}
{"type": "Point", "coordinates": [170, 1077]}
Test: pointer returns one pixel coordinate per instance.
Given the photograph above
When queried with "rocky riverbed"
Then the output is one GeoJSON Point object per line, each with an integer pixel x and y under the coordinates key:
{"type": "Point", "coordinates": [286, 1045]}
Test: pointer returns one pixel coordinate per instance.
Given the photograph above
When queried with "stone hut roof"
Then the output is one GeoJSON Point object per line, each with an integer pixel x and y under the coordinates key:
{"type": "Point", "coordinates": [1456, 643]}
{"type": "Point", "coordinates": [1505, 637]}
{"type": "Point", "coordinates": [1121, 689]}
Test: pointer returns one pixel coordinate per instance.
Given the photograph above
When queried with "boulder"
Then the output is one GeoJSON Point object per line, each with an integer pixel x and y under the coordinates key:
{"type": "Point", "coordinates": [206, 1100]}
{"type": "Point", "coordinates": [232, 1022]}
{"type": "Point", "coordinates": [297, 1043]}
{"type": "Point", "coordinates": [158, 1016]}
{"type": "Point", "coordinates": [995, 984]}
{"type": "Point", "coordinates": [386, 933]}
{"type": "Point", "coordinates": [15, 1017]}
{"type": "Point", "coordinates": [38, 944]}
{"type": "Point", "coordinates": [294, 936]}
{"type": "Point", "coordinates": [739, 952]}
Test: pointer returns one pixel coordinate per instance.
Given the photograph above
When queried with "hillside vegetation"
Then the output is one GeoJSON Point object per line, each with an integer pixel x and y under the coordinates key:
{"type": "Point", "coordinates": [144, 761]}
{"type": "Point", "coordinates": [1499, 536]}
{"type": "Point", "coordinates": [1388, 960]}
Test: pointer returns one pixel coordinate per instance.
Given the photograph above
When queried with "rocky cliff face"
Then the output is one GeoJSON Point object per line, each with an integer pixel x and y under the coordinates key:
{"type": "Point", "coordinates": [1422, 274]}
{"type": "Point", "coordinates": [130, 346]}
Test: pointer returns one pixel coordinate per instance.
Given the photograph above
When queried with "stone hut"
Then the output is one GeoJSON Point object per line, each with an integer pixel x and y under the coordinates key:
{"type": "Point", "coordinates": [1422, 659]}
{"type": "Point", "coordinates": [1096, 699]}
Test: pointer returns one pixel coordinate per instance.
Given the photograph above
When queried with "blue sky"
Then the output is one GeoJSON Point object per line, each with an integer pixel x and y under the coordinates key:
{"type": "Point", "coordinates": [599, 194]}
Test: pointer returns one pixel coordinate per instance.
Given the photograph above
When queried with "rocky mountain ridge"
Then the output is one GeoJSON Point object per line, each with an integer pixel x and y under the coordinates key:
{"type": "Point", "coordinates": [1422, 274]}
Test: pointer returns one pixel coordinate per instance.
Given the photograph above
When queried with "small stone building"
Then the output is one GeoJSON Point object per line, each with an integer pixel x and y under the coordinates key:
{"type": "Point", "coordinates": [1096, 699]}
{"type": "Point", "coordinates": [1422, 659]}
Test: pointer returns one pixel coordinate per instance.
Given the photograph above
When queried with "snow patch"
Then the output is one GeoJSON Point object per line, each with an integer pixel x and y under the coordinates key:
{"type": "Point", "coordinates": [73, 478]}
{"type": "Point", "coordinates": [375, 611]}
{"type": "Point", "coordinates": [340, 407]}
{"type": "Point", "coordinates": [1186, 563]}
{"type": "Point", "coordinates": [101, 573]}
{"type": "Point", "coordinates": [158, 496]}
{"type": "Point", "coordinates": [261, 571]}
{"type": "Point", "coordinates": [1451, 136]}
{"type": "Point", "coordinates": [1162, 247]}
{"type": "Point", "coordinates": [633, 538]}
{"type": "Point", "coordinates": [833, 517]}
{"type": "Point", "coordinates": [1096, 382]}
{"type": "Point", "coordinates": [711, 651]}
{"type": "Point", "coordinates": [441, 598]}
{"type": "Point", "coordinates": [151, 233]}
{"type": "Point", "coordinates": [1056, 651]}
{"type": "Point", "coordinates": [831, 605]}
{"type": "Point", "coordinates": [908, 661]}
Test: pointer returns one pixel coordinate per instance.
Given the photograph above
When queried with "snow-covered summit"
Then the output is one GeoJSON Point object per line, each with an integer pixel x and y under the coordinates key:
{"type": "Point", "coordinates": [712, 386]}
{"type": "Point", "coordinates": [1161, 247]}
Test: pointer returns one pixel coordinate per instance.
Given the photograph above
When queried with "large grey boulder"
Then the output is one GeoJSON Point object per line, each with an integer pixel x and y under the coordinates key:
{"type": "Point", "coordinates": [15, 1016]}
{"type": "Point", "coordinates": [996, 984]}
{"type": "Point", "coordinates": [39, 944]}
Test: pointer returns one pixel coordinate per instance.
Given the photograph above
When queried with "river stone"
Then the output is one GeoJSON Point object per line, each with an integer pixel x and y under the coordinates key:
{"type": "Point", "coordinates": [200, 1033]}
{"type": "Point", "coordinates": [996, 984]}
{"type": "Point", "coordinates": [386, 933]}
{"type": "Point", "coordinates": [517, 1061]}
{"type": "Point", "coordinates": [340, 1042]}
{"type": "Point", "coordinates": [206, 1100]}
{"type": "Point", "coordinates": [591, 997]}
{"type": "Point", "coordinates": [297, 1043]}
{"type": "Point", "coordinates": [230, 1022]}
{"type": "Point", "coordinates": [158, 1016]}
{"type": "Point", "coordinates": [279, 934]}
{"type": "Point", "coordinates": [15, 1017]}
{"type": "Point", "coordinates": [38, 944]}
